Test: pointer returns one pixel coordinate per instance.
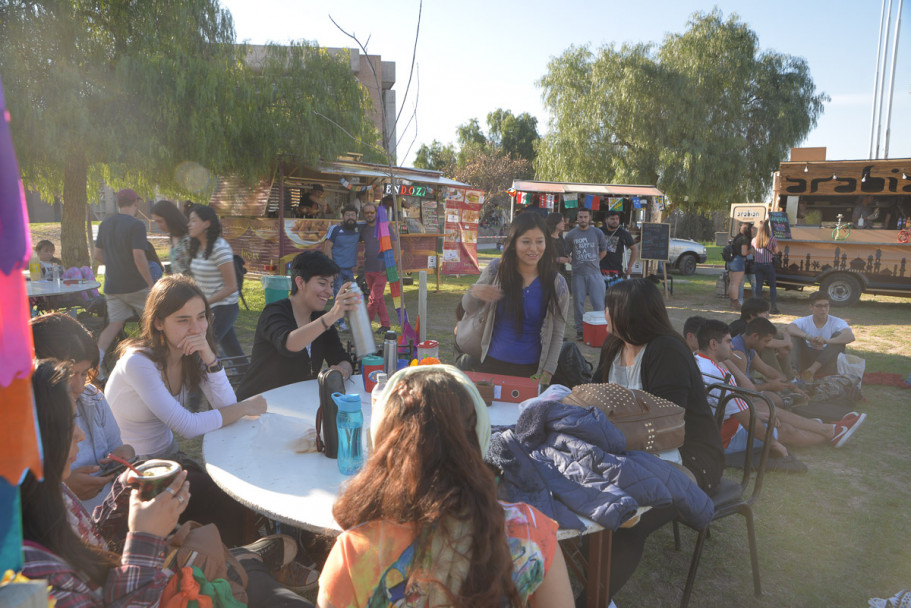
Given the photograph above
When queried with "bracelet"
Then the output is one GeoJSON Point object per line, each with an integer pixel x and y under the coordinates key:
{"type": "Point", "coordinates": [323, 321]}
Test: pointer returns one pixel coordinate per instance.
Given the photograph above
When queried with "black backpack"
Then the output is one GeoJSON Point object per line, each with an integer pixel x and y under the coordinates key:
{"type": "Point", "coordinates": [572, 368]}
{"type": "Point", "coordinates": [727, 254]}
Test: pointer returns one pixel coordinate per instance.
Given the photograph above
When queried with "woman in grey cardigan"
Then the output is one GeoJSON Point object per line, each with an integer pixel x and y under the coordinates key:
{"type": "Point", "coordinates": [525, 301]}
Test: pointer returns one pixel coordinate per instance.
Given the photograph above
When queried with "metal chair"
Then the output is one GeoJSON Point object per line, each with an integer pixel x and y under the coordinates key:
{"type": "Point", "coordinates": [732, 497]}
{"type": "Point", "coordinates": [236, 368]}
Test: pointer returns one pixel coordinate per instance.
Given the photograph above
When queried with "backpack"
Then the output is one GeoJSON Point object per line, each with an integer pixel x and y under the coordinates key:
{"type": "Point", "coordinates": [572, 367]}
{"type": "Point", "coordinates": [727, 254]}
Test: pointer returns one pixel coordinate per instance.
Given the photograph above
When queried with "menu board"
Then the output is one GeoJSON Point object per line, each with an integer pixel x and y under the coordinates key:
{"type": "Point", "coordinates": [656, 241]}
{"type": "Point", "coordinates": [781, 225]}
{"type": "Point", "coordinates": [460, 243]}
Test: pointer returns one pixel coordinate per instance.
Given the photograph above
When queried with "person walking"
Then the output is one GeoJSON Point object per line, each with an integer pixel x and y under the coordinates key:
{"type": "Point", "coordinates": [374, 268]}
{"type": "Point", "coordinates": [121, 247]}
{"type": "Point", "coordinates": [588, 246]}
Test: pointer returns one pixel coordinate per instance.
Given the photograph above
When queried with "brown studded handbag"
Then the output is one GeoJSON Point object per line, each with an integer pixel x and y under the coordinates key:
{"type": "Point", "coordinates": [649, 423]}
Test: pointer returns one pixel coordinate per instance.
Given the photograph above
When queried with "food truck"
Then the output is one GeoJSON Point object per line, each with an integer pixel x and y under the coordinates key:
{"type": "Point", "coordinates": [435, 217]}
{"type": "Point", "coordinates": [843, 225]}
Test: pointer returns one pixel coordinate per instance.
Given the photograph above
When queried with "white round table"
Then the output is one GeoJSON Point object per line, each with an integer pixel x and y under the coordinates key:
{"type": "Point", "coordinates": [37, 289]}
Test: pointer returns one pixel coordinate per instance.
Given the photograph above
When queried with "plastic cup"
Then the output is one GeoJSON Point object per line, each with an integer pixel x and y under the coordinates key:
{"type": "Point", "coordinates": [371, 364]}
{"type": "Point", "coordinates": [156, 476]}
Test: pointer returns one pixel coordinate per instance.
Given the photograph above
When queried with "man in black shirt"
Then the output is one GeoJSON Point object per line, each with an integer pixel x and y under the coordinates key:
{"type": "Point", "coordinates": [295, 336]}
{"type": "Point", "coordinates": [312, 204]}
{"type": "Point", "coordinates": [617, 239]}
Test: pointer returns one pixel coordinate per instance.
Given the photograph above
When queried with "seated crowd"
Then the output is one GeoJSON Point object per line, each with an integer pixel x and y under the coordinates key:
{"type": "Point", "coordinates": [424, 520]}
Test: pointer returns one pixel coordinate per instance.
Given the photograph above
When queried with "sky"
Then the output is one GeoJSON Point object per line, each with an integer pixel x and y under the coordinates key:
{"type": "Point", "coordinates": [474, 56]}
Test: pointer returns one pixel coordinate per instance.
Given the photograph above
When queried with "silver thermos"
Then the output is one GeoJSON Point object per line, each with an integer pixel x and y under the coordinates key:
{"type": "Point", "coordinates": [359, 323]}
{"type": "Point", "coordinates": [390, 353]}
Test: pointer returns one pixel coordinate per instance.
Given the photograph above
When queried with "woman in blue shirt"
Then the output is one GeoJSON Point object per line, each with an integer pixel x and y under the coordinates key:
{"type": "Point", "coordinates": [526, 302]}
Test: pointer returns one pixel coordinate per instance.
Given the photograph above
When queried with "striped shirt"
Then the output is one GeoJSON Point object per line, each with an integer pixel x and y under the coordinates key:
{"type": "Point", "coordinates": [207, 274]}
{"type": "Point", "coordinates": [713, 373]}
{"type": "Point", "coordinates": [764, 255]}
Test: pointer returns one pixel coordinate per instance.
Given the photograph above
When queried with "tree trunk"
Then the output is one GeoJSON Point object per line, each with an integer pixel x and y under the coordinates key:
{"type": "Point", "coordinates": [74, 250]}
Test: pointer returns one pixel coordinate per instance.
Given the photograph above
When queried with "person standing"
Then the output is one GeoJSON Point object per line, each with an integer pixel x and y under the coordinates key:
{"type": "Point", "coordinates": [737, 266]}
{"type": "Point", "coordinates": [312, 205]}
{"type": "Point", "coordinates": [374, 268]}
{"type": "Point", "coordinates": [764, 248]}
{"type": "Point", "coordinates": [121, 247]}
{"type": "Point", "coordinates": [170, 220]}
{"type": "Point", "coordinates": [588, 246]}
{"type": "Point", "coordinates": [341, 248]}
{"type": "Point", "coordinates": [556, 225]}
{"type": "Point", "coordinates": [618, 239]}
{"type": "Point", "coordinates": [212, 265]}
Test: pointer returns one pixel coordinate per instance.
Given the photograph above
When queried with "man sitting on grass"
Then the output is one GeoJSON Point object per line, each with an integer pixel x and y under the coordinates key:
{"type": "Point", "coordinates": [777, 354]}
{"type": "Point", "coordinates": [713, 359]}
{"type": "Point", "coordinates": [743, 362]}
{"type": "Point", "coordinates": [818, 339]}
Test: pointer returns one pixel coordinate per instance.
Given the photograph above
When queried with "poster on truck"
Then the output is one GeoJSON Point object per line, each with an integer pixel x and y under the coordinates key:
{"type": "Point", "coordinates": [460, 243]}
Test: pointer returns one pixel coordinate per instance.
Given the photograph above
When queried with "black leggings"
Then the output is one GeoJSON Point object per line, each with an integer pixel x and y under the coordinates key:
{"type": "Point", "coordinates": [210, 505]}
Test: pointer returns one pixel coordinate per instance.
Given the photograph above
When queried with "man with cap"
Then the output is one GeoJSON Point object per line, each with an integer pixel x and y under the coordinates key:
{"type": "Point", "coordinates": [121, 247]}
{"type": "Point", "coordinates": [617, 239]}
{"type": "Point", "coordinates": [312, 204]}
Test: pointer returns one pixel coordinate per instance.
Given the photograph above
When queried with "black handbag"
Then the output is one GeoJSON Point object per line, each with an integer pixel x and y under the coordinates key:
{"type": "Point", "coordinates": [330, 381]}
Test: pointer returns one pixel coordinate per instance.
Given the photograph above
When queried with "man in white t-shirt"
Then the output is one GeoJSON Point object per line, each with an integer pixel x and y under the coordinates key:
{"type": "Point", "coordinates": [818, 339]}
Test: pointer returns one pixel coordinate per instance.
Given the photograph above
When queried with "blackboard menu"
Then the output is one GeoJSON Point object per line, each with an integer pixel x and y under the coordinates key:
{"type": "Point", "coordinates": [656, 241]}
{"type": "Point", "coordinates": [781, 225]}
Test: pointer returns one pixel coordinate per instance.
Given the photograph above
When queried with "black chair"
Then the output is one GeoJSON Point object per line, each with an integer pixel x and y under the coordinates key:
{"type": "Point", "coordinates": [236, 368]}
{"type": "Point", "coordinates": [732, 497]}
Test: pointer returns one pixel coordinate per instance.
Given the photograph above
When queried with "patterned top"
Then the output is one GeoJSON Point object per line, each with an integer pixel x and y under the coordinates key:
{"type": "Point", "coordinates": [80, 520]}
{"type": "Point", "coordinates": [180, 255]}
{"type": "Point", "coordinates": [138, 582]}
{"type": "Point", "coordinates": [362, 557]}
{"type": "Point", "coordinates": [712, 373]}
{"type": "Point", "coordinates": [207, 273]}
{"type": "Point", "coordinates": [764, 255]}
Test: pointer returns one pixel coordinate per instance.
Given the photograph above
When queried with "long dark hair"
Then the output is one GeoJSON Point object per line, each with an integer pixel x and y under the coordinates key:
{"type": "Point", "coordinates": [206, 214]}
{"type": "Point", "coordinates": [552, 220]}
{"type": "Point", "coordinates": [57, 335]}
{"type": "Point", "coordinates": [509, 278]}
{"type": "Point", "coordinates": [427, 468]}
{"type": "Point", "coordinates": [637, 316]}
{"type": "Point", "coordinates": [44, 516]}
{"type": "Point", "coordinates": [176, 221]}
{"type": "Point", "coordinates": [168, 295]}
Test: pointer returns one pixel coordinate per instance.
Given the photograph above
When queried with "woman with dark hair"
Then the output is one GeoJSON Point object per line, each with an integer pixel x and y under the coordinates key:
{"type": "Point", "coordinates": [60, 336]}
{"type": "Point", "coordinates": [556, 225]}
{"type": "Point", "coordinates": [212, 265]}
{"type": "Point", "coordinates": [155, 388]}
{"type": "Point", "coordinates": [527, 301]}
{"type": "Point", "coordinates": [422, 520]}
{"type": "Point", "coordinates": [169, 219]}
{"type": "Point", "coordinates": [737, 267]}
{"type": "Point", "coordinates": [63, 547]}
{"type": "Point", "coordinates": [643, 351]}
{"type": "Point", "coordinates": [765, 247]}
{"type": "Point", "coordinates": [78, 568]}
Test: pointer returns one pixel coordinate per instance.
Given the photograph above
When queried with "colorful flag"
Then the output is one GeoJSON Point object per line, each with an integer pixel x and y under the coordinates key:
{"type": "Point", "coordinates": [570, 201]}
{"type": "Point", "coordinates": [588, 201]}
{"type": "Point", "coordinates": [596, 203]}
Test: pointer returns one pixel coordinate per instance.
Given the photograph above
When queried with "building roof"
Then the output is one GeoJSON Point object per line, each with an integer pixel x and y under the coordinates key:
{"type": "Point", "coordinates": [582, 188]}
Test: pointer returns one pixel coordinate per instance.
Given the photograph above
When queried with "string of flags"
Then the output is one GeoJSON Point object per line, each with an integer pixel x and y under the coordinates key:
{"type": "Point", "coordinates": [349, 186]}
{"type": "Point", "coordinates": [593, 202]}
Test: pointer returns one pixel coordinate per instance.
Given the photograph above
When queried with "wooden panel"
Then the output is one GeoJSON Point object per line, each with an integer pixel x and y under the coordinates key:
{"type": "Point", "coordinates": [808, 154]}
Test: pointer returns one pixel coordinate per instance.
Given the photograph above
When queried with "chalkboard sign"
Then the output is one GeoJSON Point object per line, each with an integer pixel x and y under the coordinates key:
{"type": "Point", "coordinates": [656, 241]}
{"type": "Point", "coordinates": [781, 226]}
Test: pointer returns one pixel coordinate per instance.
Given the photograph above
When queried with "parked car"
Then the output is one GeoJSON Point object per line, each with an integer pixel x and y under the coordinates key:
{"type": "Point", "coordinates": [683, 254]}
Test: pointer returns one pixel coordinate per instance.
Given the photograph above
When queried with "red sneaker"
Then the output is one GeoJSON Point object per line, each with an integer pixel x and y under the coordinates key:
{"type": "Point", "coordinates": [845, 427]}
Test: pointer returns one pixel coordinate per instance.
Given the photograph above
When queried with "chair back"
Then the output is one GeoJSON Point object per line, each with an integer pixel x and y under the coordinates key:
{"type": "Point", "coordinates": [729, 393]}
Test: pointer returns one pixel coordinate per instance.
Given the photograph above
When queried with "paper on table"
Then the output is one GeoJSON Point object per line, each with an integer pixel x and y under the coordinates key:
{"type": "Point", "coordinates": [275, 425]}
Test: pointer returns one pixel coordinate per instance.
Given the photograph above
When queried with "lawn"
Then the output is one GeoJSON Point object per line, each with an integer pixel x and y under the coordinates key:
{"type": "Point", "coordinates": [828, 538]}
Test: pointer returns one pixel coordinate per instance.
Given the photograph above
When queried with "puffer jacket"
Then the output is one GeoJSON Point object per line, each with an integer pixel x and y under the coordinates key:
{"type": "Point", "coordinates": [568, 461]}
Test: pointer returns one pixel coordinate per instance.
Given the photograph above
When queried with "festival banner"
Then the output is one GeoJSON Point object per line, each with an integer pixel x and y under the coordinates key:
{"type": "Point", "coordinates": [460, 243]}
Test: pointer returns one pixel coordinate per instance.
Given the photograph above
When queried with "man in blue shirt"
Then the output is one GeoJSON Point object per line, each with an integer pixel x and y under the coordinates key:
{"type": "Point", "coordinates": [341, 248]}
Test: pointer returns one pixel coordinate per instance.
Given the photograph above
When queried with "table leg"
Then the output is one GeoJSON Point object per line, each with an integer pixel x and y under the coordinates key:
{"type": "Point", "coordinates": [597, 585]}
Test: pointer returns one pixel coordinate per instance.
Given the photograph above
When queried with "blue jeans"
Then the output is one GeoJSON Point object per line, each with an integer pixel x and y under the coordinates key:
{"type": "Point", "coordinates": [765, 273]}
{"type": "Point", "coordinates": [223, 328]}
{"type": "Point", "coordinates": [345, 275]}
{"type": "Point", "coordinates": [591, 285]}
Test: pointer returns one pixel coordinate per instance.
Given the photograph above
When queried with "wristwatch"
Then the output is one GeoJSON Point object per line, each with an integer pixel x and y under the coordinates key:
{"type": "Point", "coordinates": [215, 367]}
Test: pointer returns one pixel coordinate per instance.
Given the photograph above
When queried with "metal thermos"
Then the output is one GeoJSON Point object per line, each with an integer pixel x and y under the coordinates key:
{"type": "Point", "coordinates": [359, 323]}
{"type": "Point", "coordinates": [390, 353]}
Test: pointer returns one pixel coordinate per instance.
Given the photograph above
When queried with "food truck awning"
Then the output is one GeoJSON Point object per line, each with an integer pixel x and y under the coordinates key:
{"type": "Point", "coordinates": [361, 169]}
{"type": "Point", "coordinates": [580, 188]}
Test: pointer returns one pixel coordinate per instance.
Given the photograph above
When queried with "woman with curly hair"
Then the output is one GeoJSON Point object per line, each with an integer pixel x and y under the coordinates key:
{"type": "Point", "coordinates": [527, 300]}
{"type": "Point", "coordinates": [212, 265]}
{"type": "Point", "coordinates": [422, 521]}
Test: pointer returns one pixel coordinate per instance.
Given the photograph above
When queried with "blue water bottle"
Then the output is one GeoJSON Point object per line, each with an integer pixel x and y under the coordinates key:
{"type": "Point", "coordinates": [350, 421]}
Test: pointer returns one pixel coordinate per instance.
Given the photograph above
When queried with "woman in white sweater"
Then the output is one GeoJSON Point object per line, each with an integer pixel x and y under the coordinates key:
{"type": "Point", "coordinates": [162, 373]}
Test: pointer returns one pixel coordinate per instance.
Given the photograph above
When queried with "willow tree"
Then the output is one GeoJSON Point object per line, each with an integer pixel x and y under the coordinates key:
{"type": "Point", "coordinates": [706, 115]}
{"type": "Point", "coordinates": [129, 91]}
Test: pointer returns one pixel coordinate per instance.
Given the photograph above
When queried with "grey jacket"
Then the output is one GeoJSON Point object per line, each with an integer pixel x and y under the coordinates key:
{"type": "Point", "coordinates": [551, 330]}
